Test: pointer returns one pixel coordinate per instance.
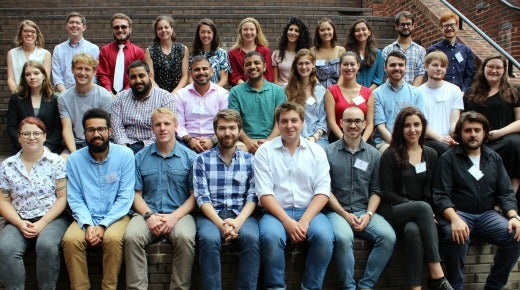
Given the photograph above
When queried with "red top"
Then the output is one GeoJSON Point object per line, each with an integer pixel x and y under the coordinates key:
{"type": "Point", "coordinates": [236, 58]}
{"type": "Point", "coordinates": [107, 63]}
{"type": "Point", "coordinates": [342, 104]}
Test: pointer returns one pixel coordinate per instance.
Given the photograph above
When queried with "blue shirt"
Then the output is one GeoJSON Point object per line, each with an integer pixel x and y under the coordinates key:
{"type": "Point", "coordinates": [166, 182]}
{"type": "Point", "coordinates": [389, 101]}
{"type": "Point", "coordinates": [226, 187]}
{"type": "Point", "coordinates": [100, 193]}
{"type": "Point", "coordinates": [460, 68]}
{"type": "Point", "coordinates": [368, 75]}
{"type": "Point", "coordinates": [62, 60]}
{"type": "Point", "coordinates": [315, 116]}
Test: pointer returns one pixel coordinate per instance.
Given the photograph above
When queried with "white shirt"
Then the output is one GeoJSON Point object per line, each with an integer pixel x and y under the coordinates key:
{"type": "Point", "coordinates": [292, 180]}
{"type": "Point", "coordinates": [438, 104]}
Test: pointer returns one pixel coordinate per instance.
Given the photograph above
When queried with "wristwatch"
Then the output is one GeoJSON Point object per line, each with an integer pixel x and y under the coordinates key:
{"type": "Point", "coordinates": [515, 217]}
{"type": "Point", "coordinates": [147, 215]}
{"type": "Point", "coordinates": [371, 214]}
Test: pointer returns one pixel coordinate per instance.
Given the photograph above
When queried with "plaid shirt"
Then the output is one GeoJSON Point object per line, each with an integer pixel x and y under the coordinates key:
{"type": "Point", "coordinates": [415, 55]}
{"type": "Point", "coordinates": [130, 118]}
{"type": "Point", "coordinates": [225, 187]}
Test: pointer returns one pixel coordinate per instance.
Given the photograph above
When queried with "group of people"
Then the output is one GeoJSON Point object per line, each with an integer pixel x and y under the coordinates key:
{"type": "Point", "coordinates": [154, 146]}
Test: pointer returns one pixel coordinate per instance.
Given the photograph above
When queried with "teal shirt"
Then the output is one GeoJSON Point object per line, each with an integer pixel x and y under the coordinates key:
{"type": "Point", "coordinates": [257, 107]}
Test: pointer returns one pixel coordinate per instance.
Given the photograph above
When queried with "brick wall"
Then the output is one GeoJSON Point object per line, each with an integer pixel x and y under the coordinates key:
{"type": "Point", "coordinates": [478, 263]}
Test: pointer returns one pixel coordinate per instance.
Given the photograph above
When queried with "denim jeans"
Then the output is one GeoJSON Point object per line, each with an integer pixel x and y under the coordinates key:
{"type": "Point", "coordinates": [273, 240]}
{"type": "Point", "coordinates": [379, 232]}
{"type": "Point", "coordinates": [12, 248]}
{"type": "Point", "coordinates": [491, 227]}
{"type": "Point", "coordinates": [210, 241]}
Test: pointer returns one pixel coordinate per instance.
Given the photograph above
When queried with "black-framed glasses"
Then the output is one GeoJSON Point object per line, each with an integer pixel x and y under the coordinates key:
{"type": "Point", "coordinates": [406, 24]}
{"type": "Point", "coordinates": [92, 130]}
{"type": "Point", "coordinates": [449, 25]}
{"type": "Point", "coordinates": [117, 27]}
{"type": "Point", "coordinates": [28, 134]}
{"type": "Point", "coordinates": [349, 121]}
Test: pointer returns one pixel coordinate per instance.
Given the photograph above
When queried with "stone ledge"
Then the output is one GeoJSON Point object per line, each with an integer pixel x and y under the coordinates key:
{"type": "Point", "coordinates": [478, 262]}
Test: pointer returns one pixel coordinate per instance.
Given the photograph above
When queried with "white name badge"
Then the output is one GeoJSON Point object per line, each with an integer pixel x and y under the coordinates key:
{"type": "Point", "coordinates": [441, 98]}
{"type": "Point", "coordinates": [310, 101]}
{"type": "Point", "coordinates": [420, 168]}
{"type": "Point", "coordinates": [198, 110]}
{"type": "Point", "coordinates": [358, 100]}
{"type": "Point", "coordinates": [475, 172]}
{"type": "Point", "coordinates": [459, 57]}
{"type": "Point", "coordinates": [360, 164]}
{"type": "Point", "coordinates": [320, 62]}
{"type": "Point", "coordinates": [240, 177]}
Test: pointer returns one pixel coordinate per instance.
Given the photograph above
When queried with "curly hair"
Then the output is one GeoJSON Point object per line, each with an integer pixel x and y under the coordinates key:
{"type": "Point", "coordinates": [295, 89]}
{"type": "Point", "coordinates": [303, 38]}
{"type": "Point", "coordinates": [398, 144]}
{"type": "Point", "coordinates": [353, 45]}
{"type": "Point", "coordinates": [479, 90]}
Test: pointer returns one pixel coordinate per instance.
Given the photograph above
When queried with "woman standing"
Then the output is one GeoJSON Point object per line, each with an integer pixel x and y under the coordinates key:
{"type": "Point", "coordinates": [33, 186]}
{"type": "Point", "coordinates": [406, 172]}
{"type": "Point", "coordinates": [326, 52]}
{"type": "Point", "coordinates": [360, 39]}
{"type": "Point", "coordinates": [29, 41]}
{"type": "Point", "coordinates": [347, 93]}
{"type": "Point", "coordinates": [168, 60]}
{"type": "Point", "coordinates": [249, 38]}
{"type": "Point", "coordinates": [494, 97]}
{"type": "Point", "coordinates": [295, 36]}
{"type": "Point", "coordinates": [304, 89]}
{"type": "Point", "coordinates": [35, 97]}
{"type": "Point", "coordinates": [207, 43]}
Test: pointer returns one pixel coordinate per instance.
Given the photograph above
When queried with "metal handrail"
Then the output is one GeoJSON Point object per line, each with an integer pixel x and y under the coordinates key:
{"type": "Point", "coordinates": [511, 60]}
{"type": "Point", "coordinates": [510, 5]}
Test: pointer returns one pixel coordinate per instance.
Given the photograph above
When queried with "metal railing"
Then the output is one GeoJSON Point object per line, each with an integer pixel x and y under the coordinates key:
{"type": "Point", "coordinates": [463, 18]}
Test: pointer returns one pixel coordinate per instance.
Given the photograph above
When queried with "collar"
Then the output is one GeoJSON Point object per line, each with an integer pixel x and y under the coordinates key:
{"type": "Point", "coordinates": [173, 152]}
{"type": "Point", "coordinates": [249, 88]}
{"type": "Point", "coordinates": [143, 99]}
{"type": "Point", "coordinates": [277, 142]}
{"type": "Point", "coordinates": [75, 45]}
{"type": "Point", "coordinates": [342, 146]}
{"type": "Point", "coordinates": [193, 91]}
{"type": "Point", "coordinates": [389, 85]}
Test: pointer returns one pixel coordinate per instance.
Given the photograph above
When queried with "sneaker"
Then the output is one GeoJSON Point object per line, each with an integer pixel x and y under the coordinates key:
{"type": "Point", "coordinates": [439, 284]}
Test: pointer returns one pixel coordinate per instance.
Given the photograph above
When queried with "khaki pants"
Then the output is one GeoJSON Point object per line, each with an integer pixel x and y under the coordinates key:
{"type": "Point", "coordinates": [75, 253]}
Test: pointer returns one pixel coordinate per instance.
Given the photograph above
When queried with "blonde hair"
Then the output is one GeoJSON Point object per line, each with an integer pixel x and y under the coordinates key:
{"type": "Point", "coordinates": [85, 58]}
{"type": "Point", "coordinates": [260, 37]}
{"type": "Point", "coordinates": [166, 111]}
{"type": "Point", "coordinates": [436, 55]}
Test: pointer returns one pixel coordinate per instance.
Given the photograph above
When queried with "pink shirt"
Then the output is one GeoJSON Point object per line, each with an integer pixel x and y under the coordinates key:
{"type": "Point", "coordinates": [195, 113]}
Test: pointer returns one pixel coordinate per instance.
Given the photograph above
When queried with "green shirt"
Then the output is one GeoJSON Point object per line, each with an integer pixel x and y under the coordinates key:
{"type": "Point", "coordinates": [257, 107]}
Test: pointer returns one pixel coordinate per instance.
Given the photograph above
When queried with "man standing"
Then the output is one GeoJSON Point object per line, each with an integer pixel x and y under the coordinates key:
{"type": "Point", "coordinates": [470, 184]}
{"type": "Point", "coordinates": [132, 108]}
{"type": "Point", "coordinates": [460, 69]}
{"type": "Point", "coordinates": [162, 203]}
{"type": "Point", "coordinates": [63, 53]}
{"type": "Point", "coordinates": [100, 191]}
{"type": "Point", "coordinates": [391, 97]}
{"type": "Point", "coordinates": [225, 192]}
{"type": "Point", "coordinates": [442, 103]}
{"type": "Point", "coordinates": [115, 57]}
{"type": "Point", "coordinates": [84, 95]}
{"type": "Point", "coordinates": [197, 104]}
{"type": "Point", "coordinates": [354, 172]}
{"type": "Point", "coordinates": [256, 101]}
{"type": "Point", "coordinates": [404, 25]}
{"type": "Point", "coordinates": [293, 185]}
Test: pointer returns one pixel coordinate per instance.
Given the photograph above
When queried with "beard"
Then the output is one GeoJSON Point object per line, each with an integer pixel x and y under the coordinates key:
{"type": "Point", "coordinates": [141, 93]}
{"type": "Point", "coordinates": [468, 146]}
{"type": "Point", "coordinates": [97, 148]}
{"type": "Point", "coordinates": [404, 34]}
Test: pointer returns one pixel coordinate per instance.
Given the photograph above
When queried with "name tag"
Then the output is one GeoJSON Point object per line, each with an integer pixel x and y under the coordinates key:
{"type": "Point", "coordinates": [198, 110]}
{"type": "Point", "coordinates": [240, 177]}
{"type": "Point", "coordinates": [310, 101]}
{"type": "Point", "coordinates": [358, 100]}
{"type": "Point", "coordinates": [475, 172]}
{"type": "Point", "coordinates": [441, 98]}
{"type": "Point", "coordinates": [111, 177]}
{"type": "Point", "coordinates": [320, 62]}
{"type": "Point", "coordinates": [360, 164]}
{"type": "Point", "coordinates": [420, 168]}
{"type": "Point", "coordinates": [459, 57]}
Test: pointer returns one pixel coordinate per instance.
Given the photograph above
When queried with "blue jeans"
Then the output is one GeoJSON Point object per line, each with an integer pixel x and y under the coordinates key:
{"type": "Point", "coordinates": [12, 248]}
{"type": "Point", "coordinates": [491, 227]}
{"type": "Point", "coordinates": [210, 241]}
{"type": "Point", "coordinates": [379, 232]}
{"type": "Point", "coordinates": [273, 240]}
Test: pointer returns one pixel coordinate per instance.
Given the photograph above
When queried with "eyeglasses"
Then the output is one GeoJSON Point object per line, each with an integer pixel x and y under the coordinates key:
{"type": "Point", "coordinates": [72, 22]}
{"type": "Point", "coordinates": [117, 27]}
{"type": "Point", "coordinates": [92, 130]}
{"type": "Point", "coordinates": [449, 25]}
{"type": "Point", "coordinates": [350, 121]}
{"type": "Point", "coordinates": [28, 134]}
{"type": "Point", "coordinates": [406, 24]}
{"type": "Point", "coordinates": [29, 31]}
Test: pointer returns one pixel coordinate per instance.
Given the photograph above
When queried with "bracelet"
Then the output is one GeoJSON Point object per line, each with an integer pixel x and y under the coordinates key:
{"type": "Point", "coordinates": [370, 214]}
